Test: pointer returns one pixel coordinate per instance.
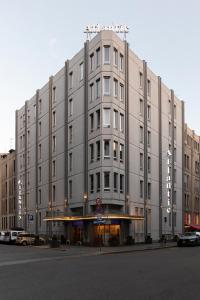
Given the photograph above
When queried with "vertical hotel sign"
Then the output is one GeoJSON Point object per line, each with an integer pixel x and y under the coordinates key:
{"type": "Point", "coordinates": [169, 191]}
{"type": "Point", "coordinates": [19, 201]}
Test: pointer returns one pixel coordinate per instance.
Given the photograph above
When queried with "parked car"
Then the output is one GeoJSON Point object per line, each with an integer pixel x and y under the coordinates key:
{"type": "Point", "coordinates": [189, 238]}
{"type": "Point", "coordinates": [2, 236]}
{"type": "Point", "coordinates": [25, 239]}
{"type": "Point", "coordinates": [10, 236]}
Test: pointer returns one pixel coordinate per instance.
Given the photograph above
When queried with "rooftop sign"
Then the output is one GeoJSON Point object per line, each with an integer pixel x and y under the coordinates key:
{"type": "Point", "coordinates": [97, 28]}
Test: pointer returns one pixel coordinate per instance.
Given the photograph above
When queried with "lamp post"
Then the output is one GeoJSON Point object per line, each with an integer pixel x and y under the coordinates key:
{"type": "Point", "coordinates": [85, 204]}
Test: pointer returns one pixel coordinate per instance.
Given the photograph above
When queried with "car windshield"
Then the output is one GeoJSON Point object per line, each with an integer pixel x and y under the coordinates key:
{"type": "Point", "coordinates": [189, 233]}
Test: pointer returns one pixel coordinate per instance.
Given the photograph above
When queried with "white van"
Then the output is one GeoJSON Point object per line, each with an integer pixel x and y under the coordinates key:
{"type": "Point", "coordinates": [2, 236]}
{"type": "Point", "coordinates": [11, 236]}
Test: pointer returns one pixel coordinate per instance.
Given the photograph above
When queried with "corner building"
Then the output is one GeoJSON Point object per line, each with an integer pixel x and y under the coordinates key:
{"type": "Point", "coordinates": [100, 129]}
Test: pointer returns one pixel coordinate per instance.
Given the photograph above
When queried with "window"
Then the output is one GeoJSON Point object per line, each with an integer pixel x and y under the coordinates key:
{"type": "Point", "coordinates": [91, 92]}
{"type": "Point", "coordinates": [28, 136]}
{"type": "Point", "coordinates": [121, 152]}
{"type": "Point", "coordinates": [70, 162]}
{"type": "Point", "coordinates": [149, 164]}
{"type": "Point", "coordinates": [40, 219]}
{"type": "Point", "coordinates": [174, 154]}
{"type": "Point", "coordinates": [106, 148]}
{"type": "Point", "coordinates": [91, 183]}
{"type": "Point", "coordinates": [71, 80]}
{"type": "Point", "coordinates": [115, 181]}
{"type": "Point", "coordinates": [98, 118]}
{"type": "Point", "coordinates": [169, 106]}
{"type": "Point", "coordinates": [121, 62]}
{"type": "Point", "coordinates": [115, 119]}
{"type": "Point", "coordinates": [141, 107]}
{"type": "Point", "coordinates": [54, 119]}
{"type": "Point", "coordinates": [106, 181]}
{"type": "Point", "coordinates": [175, 133]}
{"type": "Point", "coordinates": [141, 188]}
{"type": "Point", "coordinates": [70, 189]}
{"type": "Point", "coordinates": [39, 196]}
{"type": "Point", "coordinates": [40, 151]}
{"type": "Point", "coordinates": [149, 112]}
{"type": "Point", "coordinates": [106, 54]}
{"type": "Point", "coordinates": [81, 71]}
{"type": "Point", "coordinates": [121, 183]}
{"type": "Point", "coordinates": [148, 87]}
{"type": "Point", "coordinates": [115, 53]}
{"type": "Point", "coordinates": [40, 106]}
{"type": "Point", "coordinates": [54, 168]}
{"type": "Point", "coordinates": [70, 107]}
{"type": "Point", "coordinates": [141, 134]}
{"type": "Point", "coordinates": [98, 181]}
{"type": "Point", "coordinates": [141, 161]}
{"type": "Point", "coordinates": [174, 111]}
{"type": "Point", "coordinates": [54, 94]}
{"type": "Point", "coordinates": [115, 87]}
{"type": "Point", "coordinates": [54, 143]}
{"type": "Point", "coordinates": [70, 134]}
{"type": "Point", "coordinates": [121, 122]}
{"type": "Point", "coordinates": [121, 92]}
{"type": "Point", "coordinates": [91, 153]}
{"type": "Point", "coordinates": [149, 138]}
{"type": "Point", "coordinates": [106, 117]}
{"type": "Point", "coordinates": [106, 85]}
{"type": "Point", "coordinates": [170, 129]}
{"type": "Point", "coordinates": [39, 128]}
{"type": "Point", "coordinates": [141, 79]}
{"type": "Point", "coordinates": [98, 147]}
{"type": "Point", "coordinates": [98, 88]}
{"type": "Point", "coordinates": [149, 190]}
{"type": "Point", "coordinates": [91, 122]}
{"type": "Point", "coordinates": [39, 173]}
{"type": "Point", "coordinates": [91, 61]}
{"type": "Point", "coordinates": [115, 150]}
{"type": "Point", "coordinates": [54, 193]}
{"type": "Point", "coordinates": [98, 57]}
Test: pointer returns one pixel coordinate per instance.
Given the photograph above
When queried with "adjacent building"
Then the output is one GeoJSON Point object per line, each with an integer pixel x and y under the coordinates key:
{"type": "Point", "coordinates": [100, 149]}
{"type": "Point", "coordinates": [7, 191]}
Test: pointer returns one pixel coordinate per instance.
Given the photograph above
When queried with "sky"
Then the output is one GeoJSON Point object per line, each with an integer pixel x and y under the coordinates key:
{"type": "Point", "coordinates": [37, 36]}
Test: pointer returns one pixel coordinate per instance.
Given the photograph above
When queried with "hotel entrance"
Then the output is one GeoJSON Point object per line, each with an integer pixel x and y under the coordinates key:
{"type": "Point", "coordinates": [106, 234]}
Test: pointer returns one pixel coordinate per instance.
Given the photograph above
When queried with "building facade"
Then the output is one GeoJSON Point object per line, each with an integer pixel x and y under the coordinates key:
{"type": "Point", "coordinates": [191, 177]}
{"type": "Point", "coordinates": [92, 149]}
{"type": "Point", "coordinates": [7, 191]}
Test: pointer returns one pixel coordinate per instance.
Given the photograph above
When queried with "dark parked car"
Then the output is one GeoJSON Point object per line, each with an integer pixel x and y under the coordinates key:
{"type": "Point", "coordinates": [189, 238]}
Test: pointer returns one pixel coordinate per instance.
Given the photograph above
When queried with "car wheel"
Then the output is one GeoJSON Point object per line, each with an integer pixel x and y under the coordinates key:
{"type": "Point", "coordinates": [24, 243]}
{"type": "Point", "coordinates": [179, 244]}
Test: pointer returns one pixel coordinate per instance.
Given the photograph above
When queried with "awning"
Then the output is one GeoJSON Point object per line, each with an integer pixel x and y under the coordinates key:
{"type": "Point", "coordinates": [92, 217]}
{"type": "Point", "coordinates": [193, 227]}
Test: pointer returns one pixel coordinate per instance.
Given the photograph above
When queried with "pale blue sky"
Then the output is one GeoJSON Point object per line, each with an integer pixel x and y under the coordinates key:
{"type": "Point", "coordinates": [37, 36]}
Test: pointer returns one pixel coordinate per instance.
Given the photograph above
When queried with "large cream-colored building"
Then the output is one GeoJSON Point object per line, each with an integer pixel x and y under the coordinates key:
{"type": "Point", "coordinates": [94, 141]}
{"type": "Point", "coordinates": [7, 191]}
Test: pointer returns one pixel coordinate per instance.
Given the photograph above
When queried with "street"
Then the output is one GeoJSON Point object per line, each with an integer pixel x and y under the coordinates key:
{"type": "Point", "coordinates": [34, 273]}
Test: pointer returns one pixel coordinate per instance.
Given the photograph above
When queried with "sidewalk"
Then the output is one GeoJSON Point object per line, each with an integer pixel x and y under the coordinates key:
{"type": "Point", "coordinates": [85, 250]}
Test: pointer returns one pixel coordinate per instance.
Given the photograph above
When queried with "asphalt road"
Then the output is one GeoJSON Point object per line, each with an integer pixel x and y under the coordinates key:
{"type": "Point", "coordinates": [32, 273]}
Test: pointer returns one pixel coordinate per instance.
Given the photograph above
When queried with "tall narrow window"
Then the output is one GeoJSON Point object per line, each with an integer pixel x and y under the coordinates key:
{"type": "Point", "coordinates": [40, 219]}
{"type": "Point", "coordinates": [91, 122]}
{"type": "Point", "coordinates": [121, 62]}
{"type": "Point", "coordinates": [70, 134]}
{"type": "Point", "coordinates": [174, 111]}
{"type": "Point", "coordinates": [149, 138]}
{"type": "Point", "coordinates": [40, 106]}
{"type": "Point", "coordinates": [91, 183]}
{"type": "Point", "coordinates": [106, 148]}
{"type": "Point", "coordinates": [121, 92]}
{"type": "Point", "coordinates": [98, 88]}
{"type": "Point", "coordinates": [121, 183]}
{"type": "Point", "coordinates": [115, 87]}
{"type": "Point", "coordinates": [70, 107]}
{"type": "Point", "coordinates": [54, 193]}
{"type": "Point", "coordinates": [39, 196]}
{"type": "Point", "coordinates": [141, 79]}
{"type": "Point", "coordinates": [106, 181]}
{"type": "Point", "coordinates": [98, 118]}
{"type": "Point", "coordinates": [98, 148]}
{"type": "Point", "coordinates": [54, 94]}
{"type": "Point", "coordinates": [106, 117]}
{"type": "Point", "coordinates": [149, 190]}
{"type": "Point", "coordinates": [91, 92]}
{"type": "Point", "coordinates": [71, 80]}
{"type": "Point", "coordinates": [141, 107]}
{"type": "Point", "coordinates": [141, 161]}
{"type": "Point", "coordinates": [115, 119]}
{"type": "Point", "coordinates": [54, 143]}
{"type": "Point", "coordinates": [170, 129]}
{"type": "Point", "coordinates": [54, 119]}
{"type": "Point", "coordinates": [149, 112]}
{"type": "Point", "coordinates": [141, 189]}
{"type": "Point", "coordinates": [40, 128]}
{"type": "Point", "coordinates": [98, 181]}
{"type": "Point", "coordinates": [115, 150]}
{"type": "Point", "coordinates": [106, 85]}
{"type": "Point", "coordinates": [70, 162]}
{"type": "Point", "coordinates": [54, 168]}
{"type": "Point", "coordinates": [40, 151]}
{"type": "Point", "coordinates": [121, 152]}
{"type": "Point", "coordinates": [70, 189]}
{"type": "Point", "coordinates": [175, 133]}
{"type": "Point", "coordinates": [115, 181]}
{"type": "Point", "coordinates": [91, 61]}
{"type": "Point", "coordinates": [121, 123]}
{"type": "Point", "coordinates": [115, 53]}
{"type": "Point", "coordinates": [81, 71]}
{"type": "Point", "coordinates": [149, 164]}
{"type": "Point", "coordinates": [98, 57]}
{"type": "Point", "coordinates": [106, 54]}
{"type": "Point", "coordinates": [39, 173]}
{"type": "Point", "coordinates": [148, 87]}
{"type": "Point", "coordinates": [91, 153]}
